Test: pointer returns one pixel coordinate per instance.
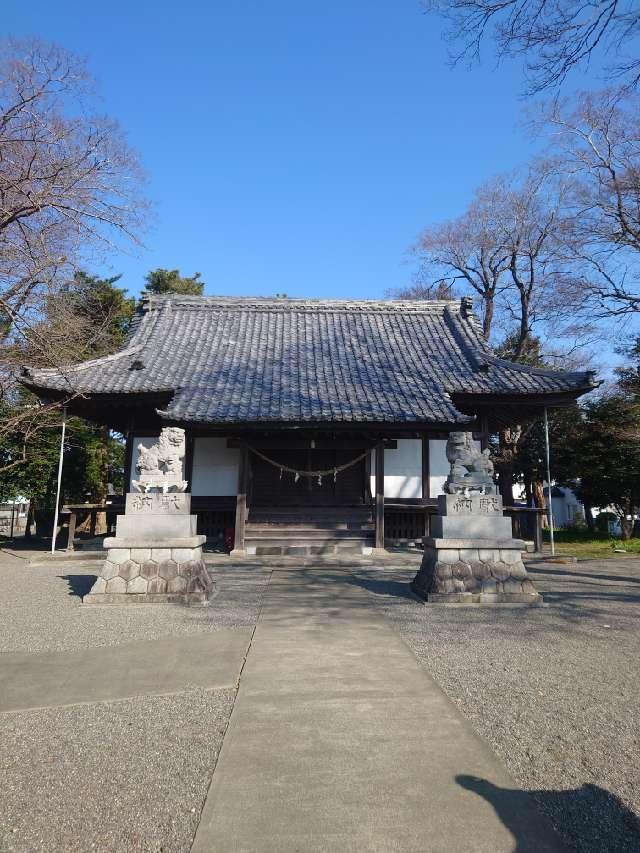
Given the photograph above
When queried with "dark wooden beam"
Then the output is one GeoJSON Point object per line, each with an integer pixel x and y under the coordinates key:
{"type": "Point", "coordinates": [484, 432]}
{"type": "Point", "coordinates": [426, 469]}
{"type": "Point", "coordinates": [380, 495]}
{"type": "Point", "coordinates": [295, 443]}
{"type": "Point", "coordinates": [241, 500]}
{"type": "Point", "coordinates": [188, 460]}
{"type": "Point", "coordinates": [128, 456]}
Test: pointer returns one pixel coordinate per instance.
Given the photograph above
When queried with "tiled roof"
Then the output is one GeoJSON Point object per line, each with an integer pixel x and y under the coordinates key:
{"type": "Point", "coordinates": [235, 360]}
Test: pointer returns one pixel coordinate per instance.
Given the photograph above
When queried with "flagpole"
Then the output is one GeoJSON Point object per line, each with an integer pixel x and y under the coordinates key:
{"type": "Point", "coordinates": [549, 504]}
{"type": "Point", "coordinates": [55, 515]}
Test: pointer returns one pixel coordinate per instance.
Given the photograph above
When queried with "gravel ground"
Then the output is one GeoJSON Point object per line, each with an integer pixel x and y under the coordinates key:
{"type": "Point", "coordinates": [41, 611]}
{"type": "Point", "coordinates": [555, 690]}
{"type": "Point", "coordinates": [121, 776]}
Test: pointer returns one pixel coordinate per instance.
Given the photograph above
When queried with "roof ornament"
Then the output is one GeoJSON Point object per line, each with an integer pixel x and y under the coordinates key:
{"type": "Point", "coordinates": [466, 306]}
{"type": "Point", "coordinates": [471, 469]}
{"type": "Point", "coordinates": [160, 466]}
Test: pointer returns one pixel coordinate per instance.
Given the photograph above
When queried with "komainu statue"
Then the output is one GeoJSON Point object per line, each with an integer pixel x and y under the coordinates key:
{"type": "Point", "coordinates": [471, 469]}
{"type": "Point", "coordinates": [160, 466]}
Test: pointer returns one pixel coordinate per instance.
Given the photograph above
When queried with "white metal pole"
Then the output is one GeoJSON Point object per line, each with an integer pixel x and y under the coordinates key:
{"type": "Point", "coordinates": [55, 515]}
{"type": "Point", "coordinates": [549, 504]}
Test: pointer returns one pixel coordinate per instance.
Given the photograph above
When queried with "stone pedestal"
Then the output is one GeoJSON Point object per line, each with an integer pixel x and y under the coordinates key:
{"type": "Point", "coordinates": [471, 557]}
{"type": "Point", "coordinates": [155, 555]}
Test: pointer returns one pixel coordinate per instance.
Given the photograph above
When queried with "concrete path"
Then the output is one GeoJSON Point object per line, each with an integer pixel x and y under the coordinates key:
{"type": "Point", "coordinates": [339, 741]}
{"type": "Point", "coordinates": [98, 674]}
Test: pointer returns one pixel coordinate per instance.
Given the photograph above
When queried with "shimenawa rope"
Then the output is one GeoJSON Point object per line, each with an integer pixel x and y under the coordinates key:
{"type": "Point", "coordinates": [311, 473]}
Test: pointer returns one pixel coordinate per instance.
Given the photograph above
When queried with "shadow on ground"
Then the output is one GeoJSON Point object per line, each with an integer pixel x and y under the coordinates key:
{"type": "Point", "coordinates": [602, 816]}
{"type": "Point", "coordinates": [79, 585]}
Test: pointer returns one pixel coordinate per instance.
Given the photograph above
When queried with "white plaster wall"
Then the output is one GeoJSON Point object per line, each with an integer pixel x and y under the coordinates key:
{"type": "Point", "coordinates": [145, 441]}
{"type": "Point", "coordinates": [438, 467]}
{"type": "Point", "coordinates": [215, 467]}
{"type": "Point", "coordinates": [402, 469]}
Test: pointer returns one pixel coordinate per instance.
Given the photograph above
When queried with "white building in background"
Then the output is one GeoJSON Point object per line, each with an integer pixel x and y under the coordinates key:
{"type": "Point", "coordinates": [567, 509]}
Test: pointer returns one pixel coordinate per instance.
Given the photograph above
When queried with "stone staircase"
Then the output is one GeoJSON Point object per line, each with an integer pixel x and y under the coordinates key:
{"type": "Point", "coordinates": [309, 531]}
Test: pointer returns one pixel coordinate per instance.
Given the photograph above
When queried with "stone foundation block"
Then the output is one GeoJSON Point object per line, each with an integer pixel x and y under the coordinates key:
{"type": "Point", "coordinates": [129, 570]}
{"type": "Point", "coordinates": [149, 569]}
{"type": "Point", "coordinates": [448, 555]}
{"type": "Point", "coordinates": [487, 555]}
{"type": "Point", "coordinates": [469, 554]}
{"type": "Point", "coordinates": [119, 555]}
{"type": "Point", "coordinates": [184, 555]}
{"type": "Point", "coordinates": [138, 584]}
{"type": "Point", "coordinates": [168, 569]}
{"type": "Point", "coordinates": [160, 555]}
{"type": "Point", "coordinates": [177, 584]}
{"type": "Point", "coordinates": [500, 570]}
{"type": "Point", "coordinates": [172, 579]}
{"type": "Point", "coordinates": [157, 585]}
{"type": "Point", "coordinates": [109, 570]}
{"type": "Point", "coordinates": [116, 584]}
{"type": "Point", "coordinates": [140, 555]}
{"type": "Point", "coordinates": [491, 574]}
{"type": "Point", "coordinates": [100, 585]}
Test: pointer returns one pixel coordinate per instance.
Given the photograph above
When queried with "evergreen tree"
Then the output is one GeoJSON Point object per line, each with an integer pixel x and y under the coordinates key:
{"type": "Point", "coordinates": [89, 317]}
{"type": "Point", "coordinates": [162, 281]}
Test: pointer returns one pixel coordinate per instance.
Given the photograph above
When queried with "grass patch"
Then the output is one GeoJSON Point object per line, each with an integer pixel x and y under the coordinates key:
{"type": "Point", "coordinates": [584, 544]}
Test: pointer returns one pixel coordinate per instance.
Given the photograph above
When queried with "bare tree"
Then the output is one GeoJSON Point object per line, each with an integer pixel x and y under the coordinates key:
{"type": "Point", "coordinates": [441, 289]}
{"type": "Point", "coordinates": [469, 250]}
{"type": "Point", "coordinates": [554, 36]}
{"type": "Point", "coordinates": [68, 181]}
{"type": "Point", "coordinates": [532, 216]}
{"type": "Point", "coordinates": [596, 143]}
{"type": "Point", "coordinates": [70, 187]}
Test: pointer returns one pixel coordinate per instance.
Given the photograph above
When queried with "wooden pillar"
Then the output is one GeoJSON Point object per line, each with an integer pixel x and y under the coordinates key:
{"type": "Point", "coordinates": [484, 432]}
{"type": "Point", "coordinates": [188, 460]}
{"type": "Point", "coordinates": [241, 499]}
{"type": "Point", "coordinates": [537, 530]}
{"type": "Point", "coordinates": [426, 472]}
{"type": "Point", "coordinates": [72, 530]}
{"type": "Point", "coordinates": [128, 457]}
{"type": "Point", "coordinates": [380, 495]}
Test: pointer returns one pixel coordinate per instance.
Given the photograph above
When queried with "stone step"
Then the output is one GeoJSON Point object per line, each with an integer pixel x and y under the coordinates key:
{"type": "Point", "coordinates": [301, 548]}
{"type": "Point", "coordinates": [310, 514]}
{"type": "Point", "coordinates": [286, 526]}
{"type": "Point", "coordinates": [289, 533]}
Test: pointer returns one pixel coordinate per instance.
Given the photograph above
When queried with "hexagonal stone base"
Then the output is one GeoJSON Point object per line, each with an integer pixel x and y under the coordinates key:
{"type": "Point", "coordinates": [474, 571]}
{"type": "Point", "coordinates": [154, 575]}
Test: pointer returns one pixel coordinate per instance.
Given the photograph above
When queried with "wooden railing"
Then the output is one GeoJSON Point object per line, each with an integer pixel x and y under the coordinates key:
{"type": "Point", "coordinates": [526, 523]}
{"type": "Point", "coordinates": [89, 512]}
{"type": "Point", "coordinates": [407, 522]}
{"type": "Point", "coordinates": [404, 521]}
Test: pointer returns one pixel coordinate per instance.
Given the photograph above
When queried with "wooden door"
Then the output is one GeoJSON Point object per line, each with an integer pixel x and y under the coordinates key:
{"type": "Point", "coordinates": [270, 487]}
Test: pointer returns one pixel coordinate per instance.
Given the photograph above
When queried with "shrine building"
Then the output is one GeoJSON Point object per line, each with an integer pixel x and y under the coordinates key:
{"type": "Point", "coordinates": [312, 426]}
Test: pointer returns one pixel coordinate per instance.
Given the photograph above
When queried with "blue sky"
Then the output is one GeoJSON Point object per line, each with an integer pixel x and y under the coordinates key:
{"type": "Point", "coordinates": [291, 147]}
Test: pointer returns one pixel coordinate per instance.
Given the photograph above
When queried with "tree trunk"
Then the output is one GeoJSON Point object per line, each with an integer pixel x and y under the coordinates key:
{"type": "Point", "coordinates": [30, 518]}
{"type": "Point", "coordinates": [488, 316]}
{"type": "Point", "coordinates": [626, 523]}
{"type": "Point", "coordinates": [101, 517]}
{"type": "Point", "coordinates": [505, 482]}
{"type": "Point", "coordinates": [528, 491]}
{"type": "Point", "coordinates": [588, 517]}
{"type": "Point", "coordinates": [539, 494]}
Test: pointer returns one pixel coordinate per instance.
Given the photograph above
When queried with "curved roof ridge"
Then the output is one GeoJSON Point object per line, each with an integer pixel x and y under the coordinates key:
{"type": "Point", "coordinates": [272, 303]}
{"type": "Point", "coordinates": [82, 365]}
{"type": "Point", "coordinates": [457, 325]}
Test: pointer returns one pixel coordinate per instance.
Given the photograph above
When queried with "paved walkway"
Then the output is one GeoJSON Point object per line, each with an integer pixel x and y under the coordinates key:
{"type": "Point", "coordinates": [107, 674]}
{"type": "Point", "coordinates": [339, 741]}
